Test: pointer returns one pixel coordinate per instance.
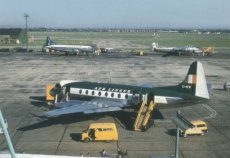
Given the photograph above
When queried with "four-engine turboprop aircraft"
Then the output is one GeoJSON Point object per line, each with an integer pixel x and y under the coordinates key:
{"type": "Point", "coordinates": [177, 50]}
{"type": "Point", "coordinates": [91, 97]}
{"type": "Point", "coordinates": [50, 46]}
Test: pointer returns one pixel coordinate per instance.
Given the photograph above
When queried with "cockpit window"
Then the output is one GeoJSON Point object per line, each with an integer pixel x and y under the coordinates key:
{"type": "Point", "coordinates": [57, 85]}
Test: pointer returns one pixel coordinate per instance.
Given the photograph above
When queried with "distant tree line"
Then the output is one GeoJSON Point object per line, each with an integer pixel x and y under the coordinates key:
{"type": "Point", "coordinates": [125, 30]}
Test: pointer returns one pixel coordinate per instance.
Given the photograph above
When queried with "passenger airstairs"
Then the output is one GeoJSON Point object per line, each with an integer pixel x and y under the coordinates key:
{"type": "Point", "coordinates": [144, 114]}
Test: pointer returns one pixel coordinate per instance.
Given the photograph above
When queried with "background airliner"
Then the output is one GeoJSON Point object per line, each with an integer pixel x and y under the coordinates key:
{"type": "Point", "coordinates": [50, 46]}
{"type": "Point", "coordinates": [181, 50]}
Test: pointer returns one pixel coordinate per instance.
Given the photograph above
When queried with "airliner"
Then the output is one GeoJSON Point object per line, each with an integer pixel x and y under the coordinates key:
{"type": "Point", "coordinates": [177, 50]}
{"type": "Point", "coordinates": [73, 96]}
{"type": "Point", "coordinates": [50, 46]}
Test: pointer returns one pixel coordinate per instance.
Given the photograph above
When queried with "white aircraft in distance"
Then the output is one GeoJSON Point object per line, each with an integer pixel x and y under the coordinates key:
{"type": "Point", "coordinates": [93, 97]}
{"type": "Point", "coordinates": [50, 46]}
{"type": "Point", "coordinates": [180, 50]}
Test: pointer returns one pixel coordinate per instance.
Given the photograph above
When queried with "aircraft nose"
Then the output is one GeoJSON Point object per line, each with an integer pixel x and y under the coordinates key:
{"type": "Point", "coordinates": [53, 92]}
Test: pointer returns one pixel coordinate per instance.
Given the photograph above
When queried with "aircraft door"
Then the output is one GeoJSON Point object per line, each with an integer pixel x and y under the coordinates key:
{"type": "Point", "coordinates": [150, 97]}
{"type": "Point", "coordinates": [65, 93]}
{"type": "Point", "coordinates": [136, 98]}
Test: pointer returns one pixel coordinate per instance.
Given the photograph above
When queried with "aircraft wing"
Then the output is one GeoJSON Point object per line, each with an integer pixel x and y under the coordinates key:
{"type": "Point", "coordinates": [86, 107]}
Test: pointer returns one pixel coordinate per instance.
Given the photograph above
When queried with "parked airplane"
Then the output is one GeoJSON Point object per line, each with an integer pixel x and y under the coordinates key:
{"type": "Point", "coordinates": [50, 46]}
{"type": "Point", "coordinates": [178, 50]}
{"type": "Point", "coordinates": [92, 97]}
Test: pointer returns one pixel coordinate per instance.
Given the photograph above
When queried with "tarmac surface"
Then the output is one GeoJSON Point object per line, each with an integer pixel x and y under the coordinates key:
{"type": "Point", "coordinates": [23, 78]}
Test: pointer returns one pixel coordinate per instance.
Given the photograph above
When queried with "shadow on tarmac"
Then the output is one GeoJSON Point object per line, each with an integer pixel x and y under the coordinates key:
{"type": "Point", "coordinates": [40, 101]}
{"type": "Point", "coordinates": [219, 89]}
{"type": "Point", "coordinates": [66, 119]}
{"type": "Point", "coordinates": [75, 136]}
{"type": "Point", "coordinates": [171, 132]}
{"type": "Point", "coordinates": [38, 98]}
{"type": "Point", "coordinates": [125, 118]}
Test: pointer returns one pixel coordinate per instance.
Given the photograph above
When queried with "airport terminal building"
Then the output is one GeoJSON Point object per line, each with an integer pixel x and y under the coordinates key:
{"type": "Point", "coordinates": [12, 36]}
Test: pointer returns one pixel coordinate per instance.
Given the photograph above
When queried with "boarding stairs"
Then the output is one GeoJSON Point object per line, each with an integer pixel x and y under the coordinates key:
{"type": "Point", "coordinates": [144, 114]}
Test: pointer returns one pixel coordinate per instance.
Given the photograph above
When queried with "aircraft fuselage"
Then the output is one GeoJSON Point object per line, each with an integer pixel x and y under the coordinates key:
{"type": "Point", "coordinates": [132, 94]}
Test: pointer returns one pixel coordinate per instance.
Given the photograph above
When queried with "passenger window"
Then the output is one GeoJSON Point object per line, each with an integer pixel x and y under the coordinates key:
{"type": "Point", "coordinates": [112, 94]}
{"type": "Point", "coordinates": [109, 129]}
{"type": "Point", "coordinates": [119, 95]}
{"type": "Point", "coordinates": [93, 92]}
{"type": "Point", "coordinates": [126, 96]}
{"type": "Point", "coordinates": [80, 91]}
{"type": "Point", "coordinates": [106, 94]}
{"type": "Point", "coordinates": [86, 92]}
{"type": "Point", "coordinates": [99, 93]}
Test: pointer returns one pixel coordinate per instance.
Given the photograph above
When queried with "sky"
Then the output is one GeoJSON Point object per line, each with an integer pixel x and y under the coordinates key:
{"type": "Point", "coordinates": [116, 13]}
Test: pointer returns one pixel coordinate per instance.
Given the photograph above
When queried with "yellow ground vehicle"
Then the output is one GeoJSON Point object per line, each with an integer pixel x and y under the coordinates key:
{"type": "Point", "coordinates": [208, 50]}
{"type": "Point", "coordinates": [100, 132]}
{"type": "Point", "coordinates": [200, 127]}
{"type": "Point", "coordinates": [138, 53]}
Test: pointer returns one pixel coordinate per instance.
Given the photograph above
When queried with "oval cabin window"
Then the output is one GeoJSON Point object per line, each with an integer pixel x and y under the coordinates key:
{"type": "Point", "coordinates": [119, 95]}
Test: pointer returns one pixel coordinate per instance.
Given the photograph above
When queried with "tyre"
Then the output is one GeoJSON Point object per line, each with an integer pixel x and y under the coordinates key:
{"type": "Point", "coordinates": [86, 140]}
{"type": "Point", "coordinates": [108, 141]}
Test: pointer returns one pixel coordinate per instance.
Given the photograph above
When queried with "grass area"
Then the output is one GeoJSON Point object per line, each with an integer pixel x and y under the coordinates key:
{"type": "Point", "coordinates": [202, 40]}
{"type": "Point", "coordinates": [165, 39]}
{"type": "Point", "coordinates": [144, 39]}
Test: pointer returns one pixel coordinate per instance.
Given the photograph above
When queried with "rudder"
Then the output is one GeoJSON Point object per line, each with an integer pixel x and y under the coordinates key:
{"type": "Point", "coordinates": [49, 41]}
{"type": "Point", "coordinates": [195, 82]}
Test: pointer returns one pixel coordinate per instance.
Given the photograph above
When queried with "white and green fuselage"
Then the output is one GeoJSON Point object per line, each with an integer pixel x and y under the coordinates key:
{"type": "Point", "coordinates": [192, 90]}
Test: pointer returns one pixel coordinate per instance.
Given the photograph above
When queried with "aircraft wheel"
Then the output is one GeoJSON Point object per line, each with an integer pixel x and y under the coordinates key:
{"type": "Point", "coordinates": [86, 140]}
